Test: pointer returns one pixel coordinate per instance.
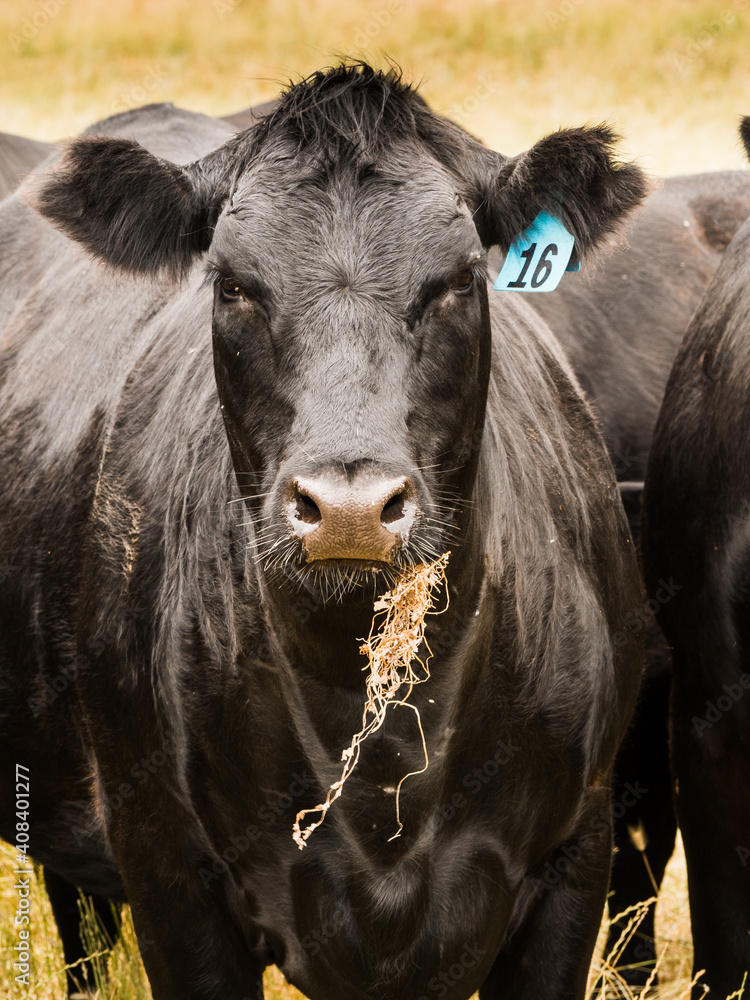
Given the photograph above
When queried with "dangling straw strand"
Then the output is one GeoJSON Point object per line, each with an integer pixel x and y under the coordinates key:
{"type": "Point", "coordinates": [390, 651]}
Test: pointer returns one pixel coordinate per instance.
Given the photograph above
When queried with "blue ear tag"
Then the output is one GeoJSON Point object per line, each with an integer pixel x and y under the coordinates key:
{"type": "Point", "coordinates": [538, 257]}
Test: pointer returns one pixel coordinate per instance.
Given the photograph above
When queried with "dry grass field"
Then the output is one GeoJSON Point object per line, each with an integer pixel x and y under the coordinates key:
{"type": "Point", "coordinates": [673, 76]}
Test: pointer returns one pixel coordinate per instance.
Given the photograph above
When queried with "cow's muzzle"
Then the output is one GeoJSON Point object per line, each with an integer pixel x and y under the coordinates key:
{"type": "Point", "coordinates": [367, 519]}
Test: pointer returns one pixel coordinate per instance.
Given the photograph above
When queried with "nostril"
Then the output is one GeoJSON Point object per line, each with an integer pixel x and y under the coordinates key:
{"type": "Point", "coordinates": [306, 509]}
{"type": "Point", "coordinates": [364, 517]}
{"type": "Point", "coordinates": [394, 509]}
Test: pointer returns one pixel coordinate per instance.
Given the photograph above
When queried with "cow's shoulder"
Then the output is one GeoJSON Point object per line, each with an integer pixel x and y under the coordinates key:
{"type": "Point", "coordinates": [717, 203]}
{"type": "Point", "coordinates": [18, 157]}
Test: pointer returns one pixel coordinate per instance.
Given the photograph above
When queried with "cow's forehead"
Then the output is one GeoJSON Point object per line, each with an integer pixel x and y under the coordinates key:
{"type": "Point", "coordinates": [291, 214]}
{"type": "Point", "coordinates": [285, 167]}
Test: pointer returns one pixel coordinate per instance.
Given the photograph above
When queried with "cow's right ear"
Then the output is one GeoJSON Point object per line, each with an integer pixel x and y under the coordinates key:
{"type": "Point", "coordinates": [745, 134]}
{"type": "Point", "coordinates": [129, 208]}
{"type": "Point", "coordinates": [573, 174]}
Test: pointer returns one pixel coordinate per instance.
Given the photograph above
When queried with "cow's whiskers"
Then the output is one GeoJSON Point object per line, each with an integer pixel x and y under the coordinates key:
{"type": "Point", "coordinates": [391, 651]}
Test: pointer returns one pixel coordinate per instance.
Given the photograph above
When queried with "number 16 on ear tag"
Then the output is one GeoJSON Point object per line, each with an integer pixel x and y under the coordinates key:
{"type": "Point", "coordinates": [537, 258]}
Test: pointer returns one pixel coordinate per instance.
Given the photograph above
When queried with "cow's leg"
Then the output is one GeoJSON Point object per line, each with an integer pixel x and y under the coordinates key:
{"type": "Point", "coordinates": [192, 945]}
{"type": "Point", "coordinates": [711, 758]}
{"type": "Point", "coordinates": [548, 958]}
{"type": "Point", "coordinates": [63, 897]}
{"type": "Point", "coordinates": [643, 808]}
{"type": "Point", "coordinates": [191, 948]}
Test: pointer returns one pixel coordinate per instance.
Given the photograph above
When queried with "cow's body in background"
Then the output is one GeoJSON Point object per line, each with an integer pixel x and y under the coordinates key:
{"type": "Point", "coordinates": [188, 671]}
{"type": "Point", "coordinates": [18, 157]}
{"type": "Point", "coordinates": [696, 530]}
{"type": "Point", "coordinates": [621, 327]}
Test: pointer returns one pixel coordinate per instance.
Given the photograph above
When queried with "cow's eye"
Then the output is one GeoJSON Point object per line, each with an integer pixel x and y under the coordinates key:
{"type": "Point", "coordinates": [463, 282]}
{"type": "Point", "coordinates": [230, 290]}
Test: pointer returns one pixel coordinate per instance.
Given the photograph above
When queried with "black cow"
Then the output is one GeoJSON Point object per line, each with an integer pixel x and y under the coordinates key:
{"type": "Point", "coordinates": [621, 327]}
{"type": "Point", "coordinates": [182, 669]}
{"type": "Point", "coordinates": [696, 529]}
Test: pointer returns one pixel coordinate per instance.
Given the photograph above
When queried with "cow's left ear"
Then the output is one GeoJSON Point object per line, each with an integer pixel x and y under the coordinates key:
{"type": "Point", "coordinates": [129, 208]}
{"type": "Point", "coordinates": [571, 174]}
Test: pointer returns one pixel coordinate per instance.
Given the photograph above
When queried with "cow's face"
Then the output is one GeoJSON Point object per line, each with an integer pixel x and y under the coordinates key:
{"type": "Point", "coordinates": [346, 235]}
{"type": "Point", "coordinates": [351, 344]}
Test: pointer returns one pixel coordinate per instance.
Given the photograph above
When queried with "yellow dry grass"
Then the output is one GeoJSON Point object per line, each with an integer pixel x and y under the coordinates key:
{"type": "Point", "coordinates": [674, 76]}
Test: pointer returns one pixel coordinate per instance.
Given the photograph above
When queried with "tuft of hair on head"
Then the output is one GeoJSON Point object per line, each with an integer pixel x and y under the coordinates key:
{"type": "Point", "coordinates": [346, 110]}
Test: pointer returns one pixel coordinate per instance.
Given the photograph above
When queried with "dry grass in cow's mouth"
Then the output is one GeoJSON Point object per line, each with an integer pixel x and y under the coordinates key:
{"type": "Point", "coordinates": [391, 651]}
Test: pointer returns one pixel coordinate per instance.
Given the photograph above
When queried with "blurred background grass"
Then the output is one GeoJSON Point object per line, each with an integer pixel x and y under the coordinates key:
{"type": "Point", "coordinates": [673, 75]}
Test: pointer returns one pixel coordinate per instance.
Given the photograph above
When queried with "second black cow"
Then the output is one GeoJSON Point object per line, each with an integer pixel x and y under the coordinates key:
{"type": "Point", "coordinates": [697, 529]}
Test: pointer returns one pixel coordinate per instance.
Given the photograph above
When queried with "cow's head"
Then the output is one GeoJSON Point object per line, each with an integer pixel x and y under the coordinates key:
{"type": "Point", "coordinates": [345, 237]}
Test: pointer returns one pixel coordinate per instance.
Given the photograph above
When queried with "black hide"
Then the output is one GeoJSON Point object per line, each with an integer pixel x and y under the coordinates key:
{"type": "Point", "coordinates": [621, 323]}
{"type": "Point", "coordinates": [180, 679]}
{"type": "Point", "coordinates": [696, 529]}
